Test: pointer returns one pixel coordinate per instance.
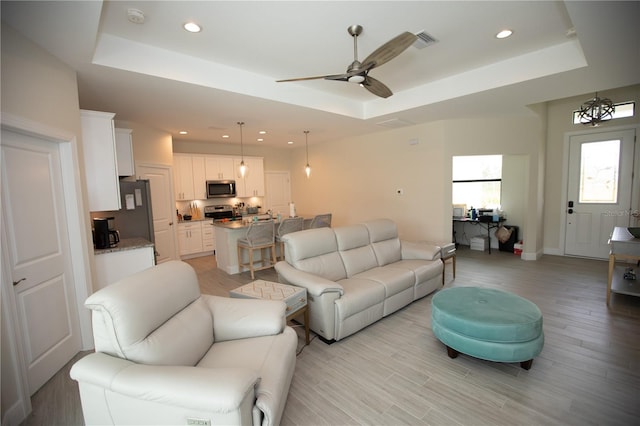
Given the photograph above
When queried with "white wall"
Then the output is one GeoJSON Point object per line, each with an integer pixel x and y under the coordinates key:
{"type": "Point", "coordinates": [356, 178]}
{"type": "Point", "coordinates": [38, 88]}
{"type": "Point", "coordinates": [149, 145]}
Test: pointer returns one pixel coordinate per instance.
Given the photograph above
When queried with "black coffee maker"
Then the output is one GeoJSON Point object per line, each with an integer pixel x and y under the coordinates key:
{"type": "Point", "coordinates": [104, 236]}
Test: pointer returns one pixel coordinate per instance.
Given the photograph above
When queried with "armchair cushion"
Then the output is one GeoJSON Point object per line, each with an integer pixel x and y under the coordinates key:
{"type": "Point", "coordinates": [134, 320]}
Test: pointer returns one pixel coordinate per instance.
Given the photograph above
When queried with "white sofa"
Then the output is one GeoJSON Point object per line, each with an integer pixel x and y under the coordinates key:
{"type": "Point", "coordinates": [165, 354]}
{"type": "Point", "coordinates": [357, 274]}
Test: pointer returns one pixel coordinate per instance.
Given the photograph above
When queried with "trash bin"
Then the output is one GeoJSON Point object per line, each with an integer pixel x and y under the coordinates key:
{"type": "Point", "coordinates": [508, 245]}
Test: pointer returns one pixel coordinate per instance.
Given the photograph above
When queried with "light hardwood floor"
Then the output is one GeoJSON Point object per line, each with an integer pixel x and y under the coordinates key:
{"type": "Point", "coordinates": [396, 372]}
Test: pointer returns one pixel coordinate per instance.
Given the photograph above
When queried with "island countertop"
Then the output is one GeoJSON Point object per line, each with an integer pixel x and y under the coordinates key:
{"type": "Point", "coordinates": [241, 224]}
{"type": "Point", "coordinates": [126, 244]}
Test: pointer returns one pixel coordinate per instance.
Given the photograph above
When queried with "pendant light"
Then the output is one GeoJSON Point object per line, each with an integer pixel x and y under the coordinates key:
{"type": "Point", "coordinates": [307, 168]}
{"type": "Point", "coordinates": [596, 110]}
{"type": "Point", "coordinates": [243, 167]}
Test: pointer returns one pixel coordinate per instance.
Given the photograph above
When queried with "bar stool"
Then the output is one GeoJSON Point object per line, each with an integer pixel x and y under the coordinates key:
{"type": "Point", "coordinates": [260, 236]}
{"type": "Point", "coordinates": [290, 224]}
{"type": "Point", "coordinates": [321, 221]}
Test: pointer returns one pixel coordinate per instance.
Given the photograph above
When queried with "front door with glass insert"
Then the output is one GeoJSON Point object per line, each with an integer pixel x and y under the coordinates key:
{"type": "Point", "coordinates": [598, 191]}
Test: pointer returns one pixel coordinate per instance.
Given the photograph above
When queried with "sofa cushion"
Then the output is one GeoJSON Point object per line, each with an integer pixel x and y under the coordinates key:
{"type": "Point", "coordinates": [355, 250]}
{"type": "Point", "coordinates": [423, 270]}
{"type": "Point", "coordinates": [315, 251]}
{"type": "Point", "coordinates": [383, 236]}
{"type": "Point", "coordinates": [394, 280]}
{"type": "Point", "coordinates": [130, 317]}
{"type": "Point", "coordinates": [359, 294]}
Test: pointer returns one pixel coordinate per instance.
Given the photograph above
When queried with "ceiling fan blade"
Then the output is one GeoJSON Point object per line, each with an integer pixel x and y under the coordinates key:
{"type": "Point", "coordinates": [390, 49]}
{"type": "Point", "coordinates": [376, 87]}
{"type": "Point", "coordinates": [328, 77]}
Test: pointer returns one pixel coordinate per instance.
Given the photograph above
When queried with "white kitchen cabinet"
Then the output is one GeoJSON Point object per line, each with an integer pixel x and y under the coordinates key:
{"type": "Point", "coordinates": [208, 238]}
{"type": "Point", "coordinates": [113, 266]}
{"type": "Point", "coordinates": [199, 177]}
{"type": "Point", "coordinates": [253, 183]}
{"type": "Point", "coordinates": [124, 152]}
{"type": "Point", "coordinates": [190, 238]}
{"type": "Point", "coordinates": [189, 177]}
{"type": "Point", "coordinates": [100, 160]}
{"type": "Point", "coordinates": [183, 176]}
{"type": "Point", "coordinates": [219, 167]}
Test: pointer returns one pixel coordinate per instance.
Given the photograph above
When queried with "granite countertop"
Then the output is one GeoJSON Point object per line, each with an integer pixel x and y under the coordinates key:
{"type": "Point", "coordinates": [240, 224]}
{"type": "Point", "coordinates": [126, 244]}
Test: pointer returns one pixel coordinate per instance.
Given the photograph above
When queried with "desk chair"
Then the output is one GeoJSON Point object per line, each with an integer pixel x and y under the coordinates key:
{"type": "Point", "coordinates": [260, 236]}
{"type": "Point", "coordinates": [290, 224]}
{"type": "Point", "coordinates": [321, 221]}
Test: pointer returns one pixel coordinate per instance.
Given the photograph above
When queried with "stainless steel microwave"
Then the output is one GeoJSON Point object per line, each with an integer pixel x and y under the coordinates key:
{"type": "Point", "coordinates": [221, 188]}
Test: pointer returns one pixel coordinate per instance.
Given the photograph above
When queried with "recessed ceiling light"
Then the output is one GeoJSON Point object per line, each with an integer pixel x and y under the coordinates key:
{"type": "Point", "coordinates": [263, 132]}
{"type": "Point", "coordinates": [504, 34]}
{"type": "Point", "coordinates": [183, 132]}
{"type": "Point", "coordinates": [260, 139]}
{"type": "Point", "coordinates": [192, 27]}
{"type": "Point", "coordinates": [290, 142]}
{"type": "Point", "coordinates": [225, 136]}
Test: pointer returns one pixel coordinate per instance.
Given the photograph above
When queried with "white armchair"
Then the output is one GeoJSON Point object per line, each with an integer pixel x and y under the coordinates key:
{"type": "Point", "coordinates": [165, 354]}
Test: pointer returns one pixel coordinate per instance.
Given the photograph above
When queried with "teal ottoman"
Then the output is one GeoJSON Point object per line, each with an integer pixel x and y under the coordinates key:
{"type": "Point", "coordinates": [488, 324]}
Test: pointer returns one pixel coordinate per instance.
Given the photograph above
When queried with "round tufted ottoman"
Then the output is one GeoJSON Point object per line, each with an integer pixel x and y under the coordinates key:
{"type": "Point", "coordinates": [487, 324]}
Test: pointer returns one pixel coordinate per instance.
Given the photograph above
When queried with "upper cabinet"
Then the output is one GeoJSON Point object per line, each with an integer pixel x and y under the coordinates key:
{"type": "Point", "coordinates": [219, 168]}
{"type": "Point", "coordinates": [252, 185]}
{"type": "Point", "coordinates": [189, 177]}
{"type": "Point", "coordinates": [191, 171]}
{"type": "Point", "coordinates": [124, 152]}
{"type": "Point", "coordinates": [100, 160]}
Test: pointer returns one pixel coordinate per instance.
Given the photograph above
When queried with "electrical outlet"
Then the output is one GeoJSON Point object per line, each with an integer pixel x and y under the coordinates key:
{"type": "Point", "coordinates": [400, 191]}
{"type": "Point", "coordinates": [198, 422]}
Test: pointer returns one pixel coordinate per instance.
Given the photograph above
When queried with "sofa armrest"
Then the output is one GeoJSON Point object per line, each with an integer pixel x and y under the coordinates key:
{"type": "Point", "coordinates": [242, 318]}
{"type": "Point", "coordinates": [419, 250]}
{"type": "Point", "coordinates": [220, 390]}
{"type": "Point", "coordinates": [314, 284]}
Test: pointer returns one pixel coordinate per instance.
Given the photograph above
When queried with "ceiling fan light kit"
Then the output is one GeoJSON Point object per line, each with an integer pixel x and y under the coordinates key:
{"type": "Point", "coordinates": [358, 72]}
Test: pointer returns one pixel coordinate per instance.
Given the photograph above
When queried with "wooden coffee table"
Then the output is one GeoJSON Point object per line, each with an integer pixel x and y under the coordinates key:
{"type": "Point", "coordinates": [294, 297]}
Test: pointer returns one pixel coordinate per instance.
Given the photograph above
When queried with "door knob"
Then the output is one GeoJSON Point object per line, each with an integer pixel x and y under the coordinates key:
{"type": "Point", "coordinates": [570, 211]}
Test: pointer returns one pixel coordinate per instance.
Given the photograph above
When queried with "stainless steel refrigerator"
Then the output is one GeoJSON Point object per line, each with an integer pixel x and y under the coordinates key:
{"type": "Point", "coordinates": [135, 218]}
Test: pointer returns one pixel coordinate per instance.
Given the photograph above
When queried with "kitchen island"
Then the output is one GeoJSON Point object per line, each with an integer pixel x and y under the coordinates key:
{"type": "Point", "coordinates": [227, 235]}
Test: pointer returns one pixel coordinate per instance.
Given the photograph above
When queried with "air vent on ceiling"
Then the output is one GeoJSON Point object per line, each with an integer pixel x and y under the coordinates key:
{"type": "Point", "coordinates": [423, 40]}
{"type": "Point", "coordinates": [395, 122]}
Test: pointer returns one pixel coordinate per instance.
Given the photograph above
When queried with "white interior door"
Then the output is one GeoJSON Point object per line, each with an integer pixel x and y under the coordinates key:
{"type": "Point", "coordinates": [599, 190]}
{"type": "Point", "coordinates": [278, 192]}
{"type": "Point", "coordinates": [36, 250]}
{"type": "Point", "coordinates": [163, 209]}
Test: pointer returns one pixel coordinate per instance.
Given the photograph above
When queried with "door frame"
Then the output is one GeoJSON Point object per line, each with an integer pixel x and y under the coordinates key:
{"type": "Point", "coordinates": [635, 197]}
{"type": "Point", "coordinates": [80, 251]}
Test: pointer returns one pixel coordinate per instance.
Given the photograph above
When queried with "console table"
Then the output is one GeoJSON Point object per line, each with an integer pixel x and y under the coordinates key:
{"type": "Point", "coordinates": [624, 247]}
{"type": "Point", "coordinates": [490, 224]}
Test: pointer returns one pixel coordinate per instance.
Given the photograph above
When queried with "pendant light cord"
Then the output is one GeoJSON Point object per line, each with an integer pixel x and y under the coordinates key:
{"type": "Point", "coordinates": [241, 123]}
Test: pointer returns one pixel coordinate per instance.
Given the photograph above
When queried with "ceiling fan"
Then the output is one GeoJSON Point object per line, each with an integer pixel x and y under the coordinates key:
{"type": "Point", "coordinates": [358, 72]}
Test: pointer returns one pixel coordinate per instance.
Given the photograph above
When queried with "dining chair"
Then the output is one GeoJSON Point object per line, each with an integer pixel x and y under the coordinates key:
{"type": "Point", "coordinates": [288, 225]}
{"type": "Point", "coordinates": [260, 236]}
{"type": "Point", "coordinates": [321, 221]}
